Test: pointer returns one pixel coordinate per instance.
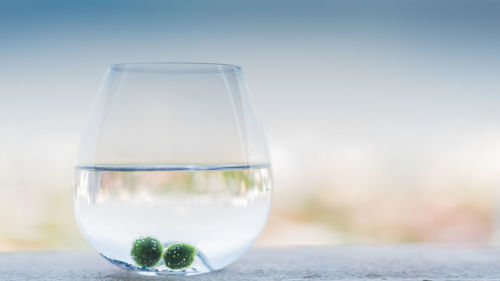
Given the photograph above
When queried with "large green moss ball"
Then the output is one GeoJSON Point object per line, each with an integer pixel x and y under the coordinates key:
{"type": "Point", "coordinates": [178, 256]}
{"type": "Point", "coordinates": [146, 251]}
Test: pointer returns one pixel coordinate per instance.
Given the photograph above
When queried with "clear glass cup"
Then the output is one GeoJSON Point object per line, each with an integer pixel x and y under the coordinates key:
{"type": "Point", "coordinates": [173, 174]}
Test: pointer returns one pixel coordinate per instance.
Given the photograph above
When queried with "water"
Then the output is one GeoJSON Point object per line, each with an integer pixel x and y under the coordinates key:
{"type": "Point", "coordinates": [220, 210]}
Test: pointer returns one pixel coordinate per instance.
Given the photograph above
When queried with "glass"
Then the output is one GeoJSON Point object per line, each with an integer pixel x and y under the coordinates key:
{"type": "Point", "coordinates": [173, 173]}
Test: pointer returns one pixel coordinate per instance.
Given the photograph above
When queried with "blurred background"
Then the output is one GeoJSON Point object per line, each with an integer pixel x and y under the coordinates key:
{"type": "Point", "coordinates": [382, 116]}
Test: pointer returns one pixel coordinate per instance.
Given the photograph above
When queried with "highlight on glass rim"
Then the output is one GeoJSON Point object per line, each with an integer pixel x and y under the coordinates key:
{"type": "Point", "coordinates": [249, 140]}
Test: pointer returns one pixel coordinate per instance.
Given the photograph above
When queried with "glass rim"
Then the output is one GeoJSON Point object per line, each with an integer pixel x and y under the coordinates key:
{"type": "Point", "coordinates": [175, 67]}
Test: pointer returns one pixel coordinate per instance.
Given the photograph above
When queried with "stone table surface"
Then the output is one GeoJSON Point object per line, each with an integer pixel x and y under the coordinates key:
{"type": "Point", "coordinates": [384, 262]}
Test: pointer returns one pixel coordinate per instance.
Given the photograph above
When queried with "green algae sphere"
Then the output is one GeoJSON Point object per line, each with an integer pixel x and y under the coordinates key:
{"type": "Point", "coordinates": [178, 256]}
{"type": "Point", "coordinates": [146, 251]}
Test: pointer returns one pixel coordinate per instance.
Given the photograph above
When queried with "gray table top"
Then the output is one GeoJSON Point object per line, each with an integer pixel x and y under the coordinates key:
{"type": "Point", "coordinates": [389, 262]}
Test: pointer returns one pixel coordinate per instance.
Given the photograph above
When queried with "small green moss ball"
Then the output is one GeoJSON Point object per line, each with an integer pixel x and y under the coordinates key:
{"type": "Point", "coordinates": [179, 256]}
{"type": "Point", "coordinates": [146, 251]}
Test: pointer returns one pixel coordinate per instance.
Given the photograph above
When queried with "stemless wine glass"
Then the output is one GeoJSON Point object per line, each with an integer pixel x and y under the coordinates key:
{"type": "Point", "coordinates": [173, 173]}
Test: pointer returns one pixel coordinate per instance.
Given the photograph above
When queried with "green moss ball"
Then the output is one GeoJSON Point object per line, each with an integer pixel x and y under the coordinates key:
{"type": "Point", "coordinates": [146, 251]}
{"type": "Point", "coordinates": [178, 256]}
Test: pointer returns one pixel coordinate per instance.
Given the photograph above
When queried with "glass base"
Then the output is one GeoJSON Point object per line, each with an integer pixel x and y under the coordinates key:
{"type": "Point", "coordinates": [162, 270]}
